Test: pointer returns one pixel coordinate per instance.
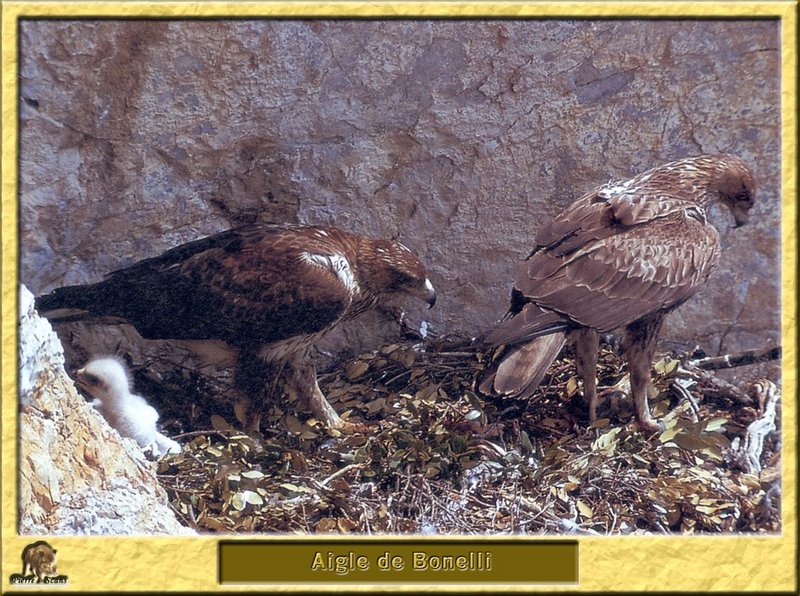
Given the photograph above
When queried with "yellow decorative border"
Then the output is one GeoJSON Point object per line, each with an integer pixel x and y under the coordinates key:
{"type": "Point", "coordinates": [630, 563]}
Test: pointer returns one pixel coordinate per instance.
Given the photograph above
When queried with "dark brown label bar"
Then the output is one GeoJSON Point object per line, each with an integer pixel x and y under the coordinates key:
{"type": "Point", "coordinates": [402, 561]}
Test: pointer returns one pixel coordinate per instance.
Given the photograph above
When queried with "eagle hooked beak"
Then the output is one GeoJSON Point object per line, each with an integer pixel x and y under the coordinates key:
{"type": "Point", "coordinates": [741, 217]}
{"type": "Point", "coordinates": [429, 293]}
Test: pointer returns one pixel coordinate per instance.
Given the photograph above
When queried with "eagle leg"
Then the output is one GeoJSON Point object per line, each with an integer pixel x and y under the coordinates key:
{"type": "Point", "coordinates": [256, 380]}
{"type": "Point", "coordinates": [320, 407]}
{"type": "Point", "coordinates": [302, 378]}
{"type": "Point", "coordinates": [587, 344]}
{"type": "Point", "coordinates": [640, 346]}
{"type": "Point", "coordinates": [248, 415]}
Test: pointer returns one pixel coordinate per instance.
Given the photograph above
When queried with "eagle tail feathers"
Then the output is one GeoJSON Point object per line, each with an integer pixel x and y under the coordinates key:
{"type": "Point", "coordinates": [523, 367]}
{"type": "Point", "coordinates": [531, 322]}
{"type": "Point", "coordinates": [68, 297]}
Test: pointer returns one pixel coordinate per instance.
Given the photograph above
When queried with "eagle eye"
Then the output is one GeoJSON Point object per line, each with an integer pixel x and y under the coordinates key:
{"type": "Point", "coordinates": [403, 279]}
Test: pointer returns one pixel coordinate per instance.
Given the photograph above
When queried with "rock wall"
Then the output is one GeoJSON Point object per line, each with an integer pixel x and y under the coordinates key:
{"type": "Point", "coordinates": [460, 137]}
{"type": "Point", "coordinates": [76, 474]}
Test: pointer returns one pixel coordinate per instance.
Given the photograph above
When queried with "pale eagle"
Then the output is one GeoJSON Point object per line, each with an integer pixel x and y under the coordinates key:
{"type": "Point", "coordinates": [622, 256]}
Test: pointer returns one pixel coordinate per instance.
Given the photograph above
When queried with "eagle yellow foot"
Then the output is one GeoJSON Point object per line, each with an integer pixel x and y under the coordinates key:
{"type": "Point", "coordinates": [344, 426]}
{"type": "Point", "coordinates": [650, 426]}
{"type": "Point", "coordinates": [325, 413]}
{"type": "Point", "coordinates": [354, 428]}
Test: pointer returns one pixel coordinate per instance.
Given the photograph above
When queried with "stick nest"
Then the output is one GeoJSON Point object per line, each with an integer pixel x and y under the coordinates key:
{"type": "Point", "coordinates": [441, 459]}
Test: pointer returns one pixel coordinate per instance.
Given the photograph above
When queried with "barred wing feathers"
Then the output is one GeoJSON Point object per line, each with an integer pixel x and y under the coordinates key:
{"type": "Point", "coordinates": [244, 285]}
{"type": "Point", "coordinates": [606, 276]}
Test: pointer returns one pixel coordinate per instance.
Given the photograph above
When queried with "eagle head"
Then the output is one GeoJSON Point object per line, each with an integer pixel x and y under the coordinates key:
{"type": "Point", "coordinates": [735, 187]}
{"type": "Point", "coordinates": [103, 378]}
{"type": "Point", "coordinates": [394, 268]}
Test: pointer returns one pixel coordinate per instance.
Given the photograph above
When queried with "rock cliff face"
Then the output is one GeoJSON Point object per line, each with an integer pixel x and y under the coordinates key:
{"type": "Point", "coordinates": [460, 138]}
{"type": "Point", "coordinates": [76, 474]}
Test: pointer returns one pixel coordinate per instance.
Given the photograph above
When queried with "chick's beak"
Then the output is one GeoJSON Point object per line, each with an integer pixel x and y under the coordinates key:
{"type": "Point", "coordinates": [429, 293]}
{"type": "Point", "coordinates": [80, 382]}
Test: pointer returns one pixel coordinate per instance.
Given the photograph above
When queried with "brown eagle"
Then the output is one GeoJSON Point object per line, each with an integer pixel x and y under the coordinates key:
{"type": "Point", "coordinates": [623, 255]}
{"type": "Point", "coordinates": [268, 291]}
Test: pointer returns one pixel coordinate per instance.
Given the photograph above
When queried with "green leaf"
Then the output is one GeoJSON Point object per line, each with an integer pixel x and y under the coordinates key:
{"type": "Point", "coordinates": [666, 365]}
{"type": "Point", "coordinates": [473, 415]}
{"type": "Point", "coordinates": [356, 369]}
{"type": "Point", "coordinates": [607, 441]}
{"type": "Point", "coordinates": [715, 423]}
{"type": "Point", "coordinates": [253, 474]}
{"type": "Point", "coordinates": [527, 446]}
{"type": "Point", "coordinates": [668, 435]}
{"type": "Point", "coordinates": [584, 509]}
{"type": "Point", "coordinates": [572, 386]}
{"type": "Point", "coordinates": [252, 497]}
{"type": "Point", "coordinates": [238, 502]}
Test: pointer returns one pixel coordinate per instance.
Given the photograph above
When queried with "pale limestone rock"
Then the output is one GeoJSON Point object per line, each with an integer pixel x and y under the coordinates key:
{"type": "Point", "coordinates": [77, 475]}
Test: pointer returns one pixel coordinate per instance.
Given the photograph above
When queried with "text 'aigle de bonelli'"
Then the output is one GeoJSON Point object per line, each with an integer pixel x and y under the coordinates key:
{"type": "Point", "coordinates": [344, 564]}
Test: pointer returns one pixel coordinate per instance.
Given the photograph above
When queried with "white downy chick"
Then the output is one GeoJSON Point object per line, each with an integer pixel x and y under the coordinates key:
{"type": "Point", "coordinates": [107, 380]}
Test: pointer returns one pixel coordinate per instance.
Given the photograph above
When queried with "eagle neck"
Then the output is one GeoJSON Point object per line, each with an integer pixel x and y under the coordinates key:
{"type": "Point", "coordinates": [367, 265]}
{"type": "Point", "coordinates": [712, 195]}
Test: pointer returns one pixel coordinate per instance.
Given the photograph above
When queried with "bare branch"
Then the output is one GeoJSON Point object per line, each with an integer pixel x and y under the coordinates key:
{"type": "Point", "coordinates": [710, 386]}
{"type": "Point", "coordinates": [739, 359]}
{"type": "Point", "coordinates": [749, 455]}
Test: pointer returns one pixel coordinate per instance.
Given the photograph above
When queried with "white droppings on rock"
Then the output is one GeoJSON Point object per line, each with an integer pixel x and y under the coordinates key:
{"type": "Point", "coordinates": [40, 354]}
{"type": "Point", "coordinates": [423, 329]}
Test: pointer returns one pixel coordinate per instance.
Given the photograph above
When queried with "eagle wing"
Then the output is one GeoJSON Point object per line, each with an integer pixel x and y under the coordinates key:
{"type": "Point", "coordinates": [605, 212]}
{"type": "Point", "coordinates": [609, 261]}
{"type": "Point", "coordinates": [275, 286]}
{"type": "Point", "coordinates": [247, 286]}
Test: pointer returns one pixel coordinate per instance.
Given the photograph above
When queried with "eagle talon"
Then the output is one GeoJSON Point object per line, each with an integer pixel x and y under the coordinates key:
{"type": "Point", "coordinates": [650, 426]}
{"type": "Point", "coordinates": [352, 428]}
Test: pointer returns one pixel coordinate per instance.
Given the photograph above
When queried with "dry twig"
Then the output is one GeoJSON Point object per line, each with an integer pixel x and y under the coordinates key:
{"type": "Point", "coordinates": [748, 456]}
{"type": "Point", "coordinates": [744, 358]}
{"type": "Point", "coordinates": [443, 459]}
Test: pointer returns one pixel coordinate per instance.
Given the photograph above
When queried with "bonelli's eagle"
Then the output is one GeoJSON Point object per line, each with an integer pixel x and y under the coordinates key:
{"type": "Point", "coordinates": [268, 291]}
{"type": "Point", "coordinates": [623, 255]}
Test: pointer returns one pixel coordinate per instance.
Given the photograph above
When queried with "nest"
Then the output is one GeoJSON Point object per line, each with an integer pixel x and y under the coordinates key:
{"type": "Point", "coordinates": [441, 459]}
